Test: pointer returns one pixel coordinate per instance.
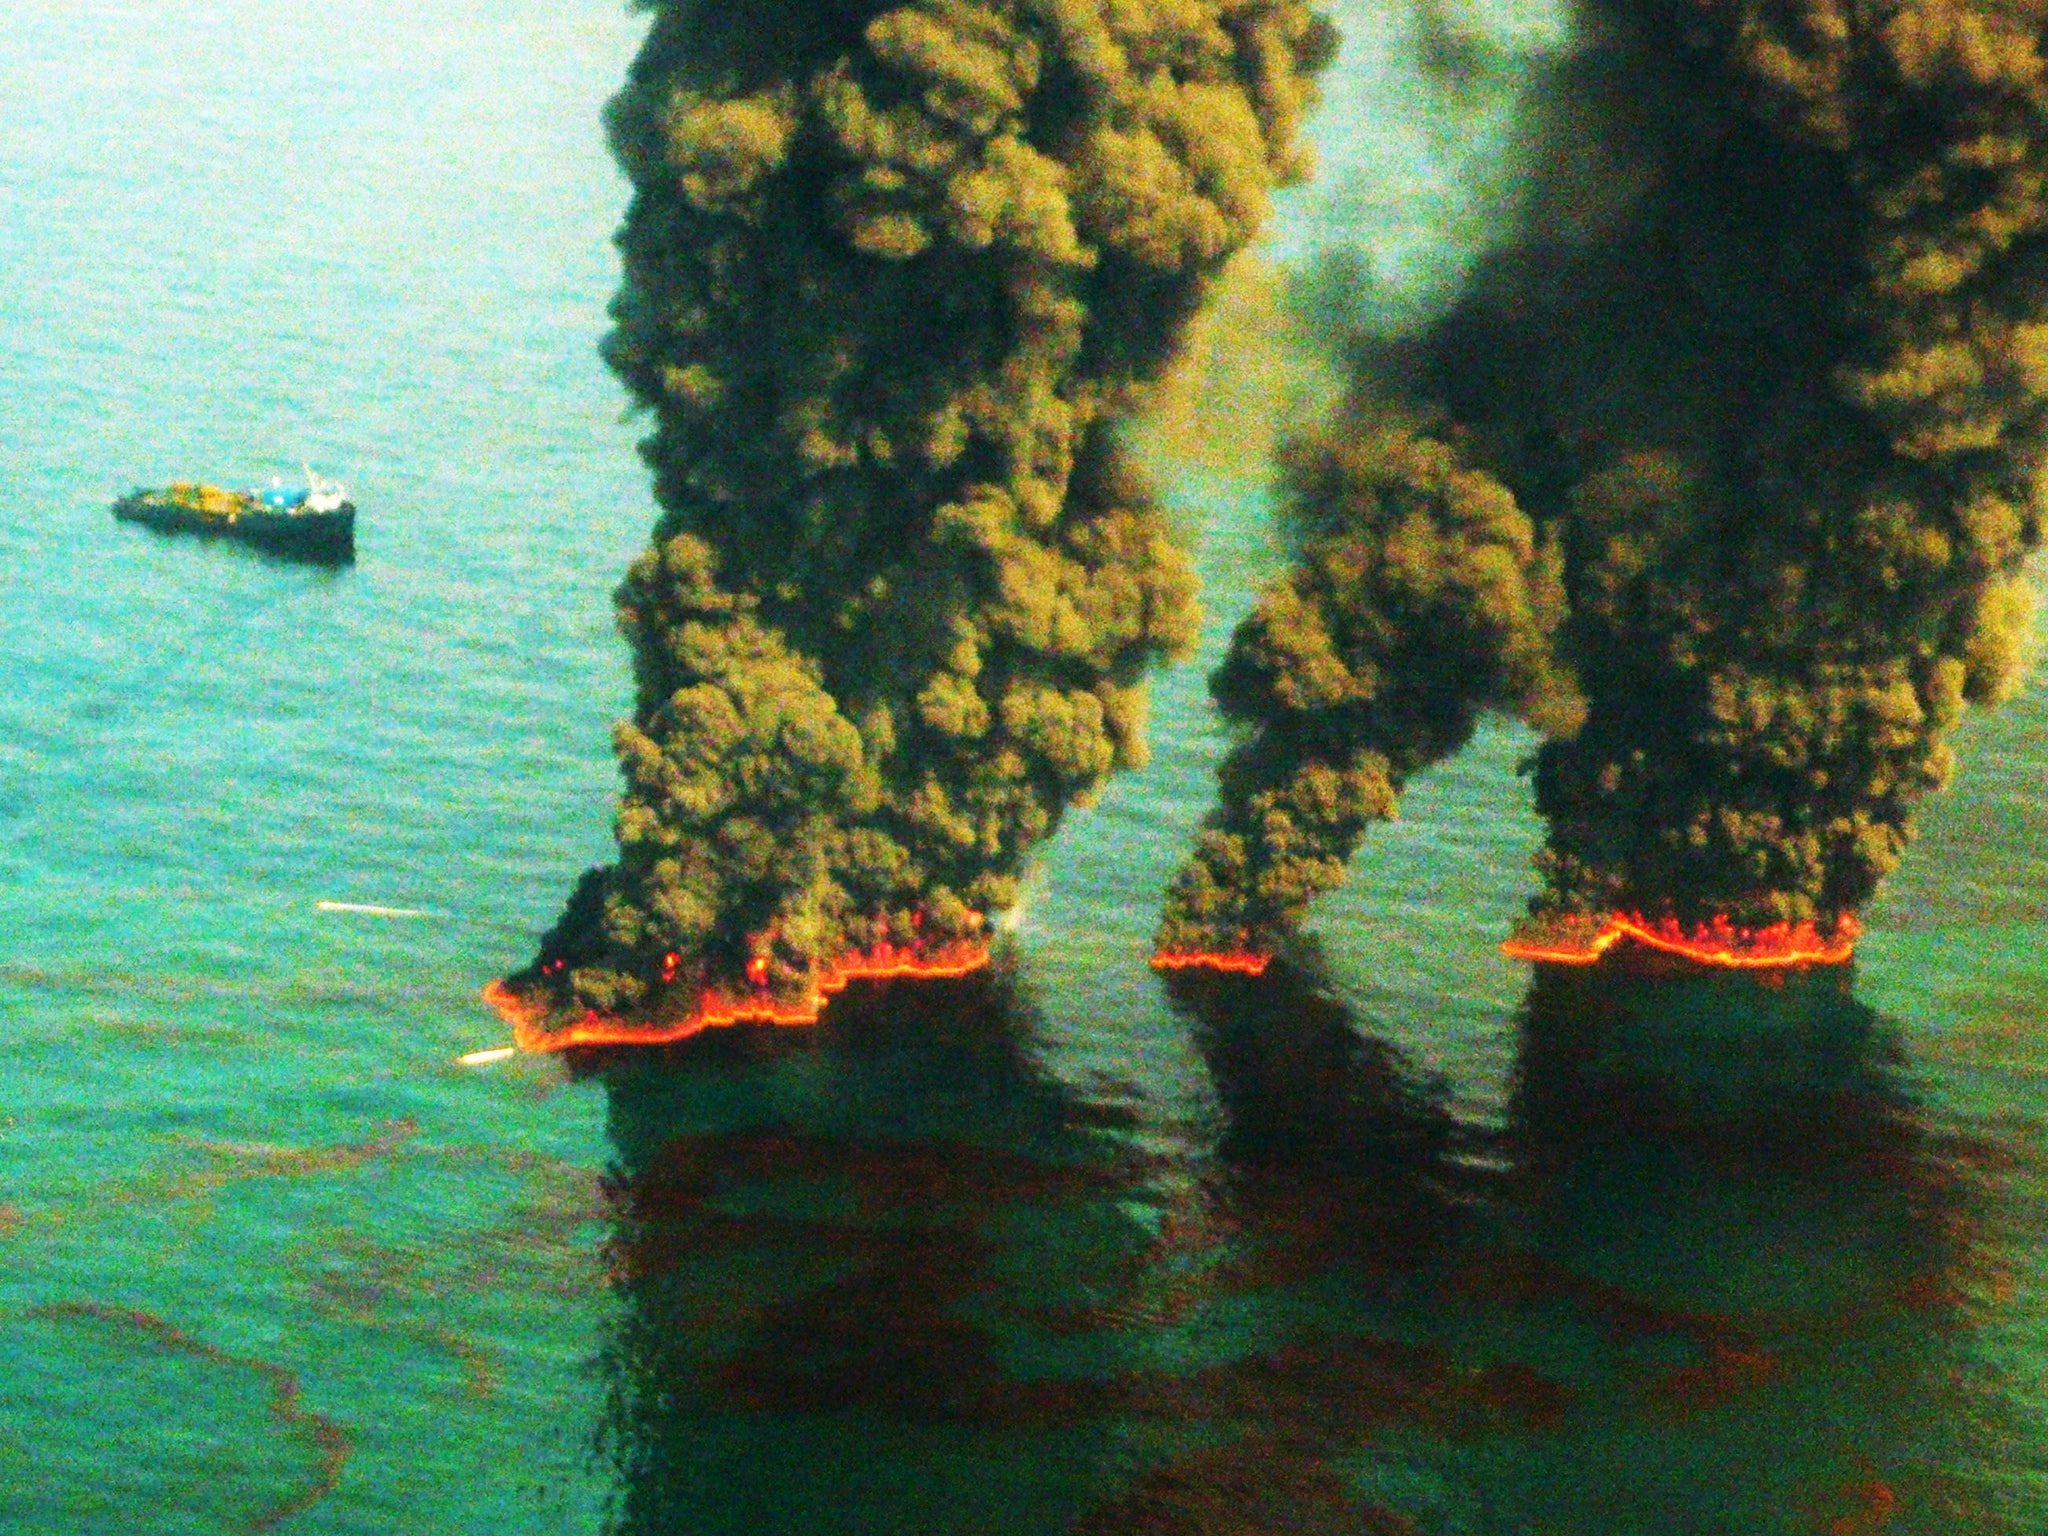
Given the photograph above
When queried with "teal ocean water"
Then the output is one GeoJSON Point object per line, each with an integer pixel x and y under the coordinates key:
{"type": "Point", "coordinates": [1391, 1243]}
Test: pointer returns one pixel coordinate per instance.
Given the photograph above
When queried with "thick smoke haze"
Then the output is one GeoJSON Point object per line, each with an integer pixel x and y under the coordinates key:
{"type": "Point", "coordinates": [1720, 471]}
{"type": "Point", "coordinates": [894, 274]}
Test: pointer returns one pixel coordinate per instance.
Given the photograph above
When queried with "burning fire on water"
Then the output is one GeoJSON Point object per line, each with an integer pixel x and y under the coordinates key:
{"type": "Point", "coordinates": [1239, 962]}
{"type": "Point", "coordinates": [1583, 940]}
{"type": "Point", "coordinates": [715, 1009]}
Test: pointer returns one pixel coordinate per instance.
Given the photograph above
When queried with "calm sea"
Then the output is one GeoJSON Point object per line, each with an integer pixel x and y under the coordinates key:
{"type": "Point", "coordinates": [1392, 1245]}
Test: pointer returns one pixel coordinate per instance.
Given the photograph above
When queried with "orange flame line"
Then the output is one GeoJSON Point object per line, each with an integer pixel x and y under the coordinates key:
{"type": "Point", "coordinates": [1242, 962]}
{"type": "Point", "coordinates": [717, 1010]}
{"type": "Point", "coordinates": [1718, 943]}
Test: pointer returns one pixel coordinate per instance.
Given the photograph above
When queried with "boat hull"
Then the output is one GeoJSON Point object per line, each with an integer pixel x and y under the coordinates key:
{"type": "Point", "coordinates": [328, 538]}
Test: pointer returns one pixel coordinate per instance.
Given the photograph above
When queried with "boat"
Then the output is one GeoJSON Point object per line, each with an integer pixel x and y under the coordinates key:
{"type": "Point", "coordinates": [316, 522]}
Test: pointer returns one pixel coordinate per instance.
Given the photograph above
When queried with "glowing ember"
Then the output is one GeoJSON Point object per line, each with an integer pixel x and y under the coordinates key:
{"type": "Point", "coordinates": [485, 1058]}
{"type": "Point", "coordinates": [714, 1010]}
{"type": "Point", "coordinates": [1583, 940]}
{"type": "Point", "coordinates": [1240, 962]}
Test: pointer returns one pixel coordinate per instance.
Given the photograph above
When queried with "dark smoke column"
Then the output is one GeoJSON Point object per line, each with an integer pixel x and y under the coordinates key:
{"type": "Point", "coordinates": [1749, 410]}
{"type": "Point", "coordinates": [1422, 595]}
{"type": "Point", "coordinates": [893, 276]}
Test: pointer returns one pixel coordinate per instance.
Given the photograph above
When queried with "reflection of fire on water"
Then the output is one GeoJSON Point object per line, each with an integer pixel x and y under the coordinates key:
{"type": "Point", "coordinates": [1237, 961]}
{"type": "Point", "coordinates": [715, 1009]}
{"type": "Point", "coordinates": [1581, 940]}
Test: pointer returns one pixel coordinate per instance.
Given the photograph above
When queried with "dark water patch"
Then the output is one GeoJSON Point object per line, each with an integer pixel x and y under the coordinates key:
{"type": "Point", "coordinates": [998, 1278]}
{"type": "Point", "coordinates": [540, 1248]}
{"type": "Point", "coordinates": [1721, 1217]}
{"type": "Point", "coordinates": [99, 709]}
{"type": "Point", "coordinates": [265, 1160]}
{"type": "Point", "coordinates": [1258, 1485]}
{"type": "Point", "coordinates": [324, 1437]}
{"type": "Point", "coordinates": [203, 547]}
{"type": "Point", "coordinates": [355, 1280]}
{"type": "Point", "coordinates": [212, 1165]}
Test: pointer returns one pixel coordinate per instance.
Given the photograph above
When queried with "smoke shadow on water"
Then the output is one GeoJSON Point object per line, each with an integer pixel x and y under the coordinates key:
{"type": "Point", "coordinates": [900, 1273]}
{"type": "Point", "coordinates": [1792, 1263]}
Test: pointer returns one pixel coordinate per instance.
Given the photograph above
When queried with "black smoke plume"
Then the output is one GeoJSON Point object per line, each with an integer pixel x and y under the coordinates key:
{"type": "Point", "coordinates": [1720, 472]}
{"type": "Point", "coordinates": [894, 274]}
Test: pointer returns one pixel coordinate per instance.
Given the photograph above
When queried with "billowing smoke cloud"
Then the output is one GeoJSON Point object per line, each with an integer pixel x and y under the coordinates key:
{"type": "Point", "coordinates": [1720, 471]}
{"type": "Point", "coordinates": [894, 274]}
